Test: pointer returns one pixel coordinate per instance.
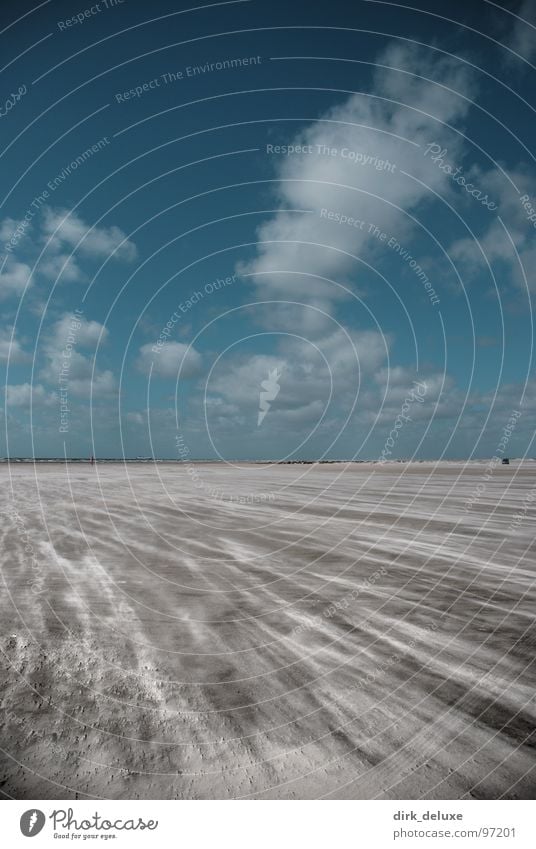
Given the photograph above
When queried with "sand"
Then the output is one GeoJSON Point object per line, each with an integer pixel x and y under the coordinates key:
{"type": "Point", "coordinates": [345, 632]}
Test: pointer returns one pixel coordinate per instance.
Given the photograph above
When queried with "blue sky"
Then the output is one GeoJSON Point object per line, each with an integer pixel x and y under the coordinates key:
{"type": "Point", "coordinates": [309, 211]}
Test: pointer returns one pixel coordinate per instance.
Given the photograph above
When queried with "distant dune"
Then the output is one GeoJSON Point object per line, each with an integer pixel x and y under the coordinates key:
{"type": "Point", "coordinates": [204, 631]}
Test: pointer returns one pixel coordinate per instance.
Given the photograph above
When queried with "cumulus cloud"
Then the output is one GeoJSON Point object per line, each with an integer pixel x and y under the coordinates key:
{"type": "Point", "coordinates": [62, 228]}
{"type": "Point", "coordinates": [85, 383]}
{"type": "Point", "coordinates": [360, 166]}
{"type": "Point", "coordinates": [10, 348]}
{"type": "Point", "coordinates": [83, 378]}
{"type": "Point", "coordinates": [87, 333]}
{"type": "Point", "coordinates": [375, 140]}
{"type": "Point", "coordinates": [62, 265]}
{"type": "Point", "coordinates": [511, 245]}
{"type": "Point", "coordinates": [522, 38]}
{"type": "Point", "coordinates": [441, 396]}
{"type": "Point", "coordinates": [69, 240]}
{"type": "Point", "coordinates": [313, 378]}
{"type": "Point", "coordinates": [24, 394]}
{"type": "Point", "coordinates": [169, 360]}
{"type": "Point", "coordinates": [136, 418]}
{"type": "Point", "coordinates": [12, 230]}
{"type": "Point", "coordinates": [13, 278]}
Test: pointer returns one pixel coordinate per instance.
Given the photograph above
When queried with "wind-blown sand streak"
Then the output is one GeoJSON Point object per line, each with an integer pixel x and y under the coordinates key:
{"type": "Point", "coordinates": [347, 632]}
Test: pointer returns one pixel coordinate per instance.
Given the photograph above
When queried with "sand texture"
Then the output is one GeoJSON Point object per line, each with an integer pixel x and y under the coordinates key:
{"type": "Point", "coordinates": [345, 632]}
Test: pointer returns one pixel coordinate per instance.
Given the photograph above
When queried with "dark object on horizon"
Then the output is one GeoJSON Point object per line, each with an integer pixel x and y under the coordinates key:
{"type": "Point", "coordinates": [505, 461]}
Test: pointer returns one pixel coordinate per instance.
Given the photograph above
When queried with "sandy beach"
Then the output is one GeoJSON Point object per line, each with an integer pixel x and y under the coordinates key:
{"type": "Point", "coordinates": [317, 631]}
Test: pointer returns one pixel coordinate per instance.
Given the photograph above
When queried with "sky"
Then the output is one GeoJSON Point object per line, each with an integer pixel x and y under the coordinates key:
{"type": "Point", "coordinates": [267, 231]}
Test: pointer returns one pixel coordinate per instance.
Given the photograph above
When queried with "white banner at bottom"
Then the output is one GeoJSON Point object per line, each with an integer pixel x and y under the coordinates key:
{"type": "Point", "coordinates": [271, 824]}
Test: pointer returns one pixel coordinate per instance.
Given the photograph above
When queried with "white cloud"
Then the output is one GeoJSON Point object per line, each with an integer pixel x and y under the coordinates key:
{"type": "Point", "coordinates": [438, 391]}
{"type": "Point", "coordinates": [24, 394]}
{"type": "Point", "coordinates": [510, 245]}
{"type": "Point", "coordinates": [170, 358]}
{"type": "Point", "coordinates": [68, 240]}
{"type": "Point", "coordinates": [13, 278]}
{"type": "Point", "coordinates": [62, 228]}
{"type": "Point", "coordinates": [522, 38]}
{"type": "Point", "coordinates": [10, 228]}
{"type": "Point", "coordinates": [62, 357]}
{"type": "Point", "coordinates": [352, 351]}
{"type": "Point", "coordinates": [386, 133]}
{"type": "Point", "coordinates": [85, 384]}
{"type": "Point", "coordinates": [313, 378]}
{"type": "Point", "coordinates": [136, 418]}
{"type": "Point", "coordinates": [87, 333]}
{"type": "Point", "coordinates": [10, 348]}
{"type": "Point", "coordinates": [62, 265]}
